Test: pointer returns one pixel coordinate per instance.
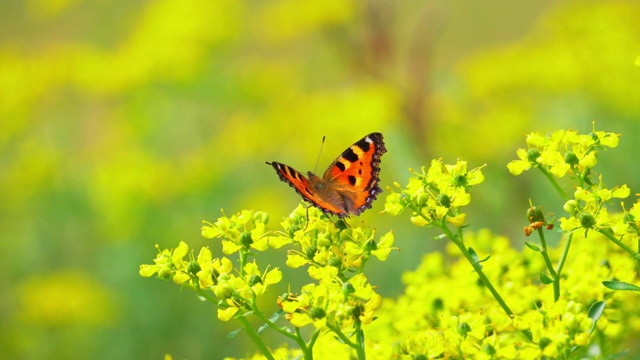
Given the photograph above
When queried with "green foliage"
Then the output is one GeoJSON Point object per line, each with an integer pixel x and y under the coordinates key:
{"type": "Point", "coordinates": [514, 304]}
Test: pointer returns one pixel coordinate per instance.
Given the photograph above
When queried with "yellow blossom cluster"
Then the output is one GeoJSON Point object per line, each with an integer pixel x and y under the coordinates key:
{"type": "Point", "coordinates": [562, 151]}
{"type": "Point", "coordinates": [437, 194]}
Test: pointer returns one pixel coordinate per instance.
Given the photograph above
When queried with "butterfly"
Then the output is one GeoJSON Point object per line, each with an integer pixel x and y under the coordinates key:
{"type": "Point", "coordinates": [349, 185]}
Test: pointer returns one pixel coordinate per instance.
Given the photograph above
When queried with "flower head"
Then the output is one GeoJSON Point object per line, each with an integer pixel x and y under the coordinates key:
{"type": "Point", "coordinates": [562, 152]}
{"type": "Point", "coordinates": [436, 194]}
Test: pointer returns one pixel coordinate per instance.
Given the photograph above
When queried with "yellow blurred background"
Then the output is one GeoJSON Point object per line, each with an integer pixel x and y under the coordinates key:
{"type": "Point", "coordinates": [124, 124]}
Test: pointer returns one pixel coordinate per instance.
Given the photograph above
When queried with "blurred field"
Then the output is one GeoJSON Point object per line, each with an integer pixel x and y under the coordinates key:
{"type": "Point", "coordinates": [125, 124]}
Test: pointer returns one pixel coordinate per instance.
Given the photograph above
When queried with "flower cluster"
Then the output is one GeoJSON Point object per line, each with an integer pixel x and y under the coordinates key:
{"type": "Point", "coordinates": [562, 152]}
{"type": "Point", "coordinates": [587, 210]}
{"type": "Point", "coordinates": [565, 152]}
{"type": "Point", "coordinates": [437, 194]}
{"type": "Point", "coordinates": [332, 304]}
{"type": "Point", "coordinates": [235, 289]}
{"type": "Point", "coordinates": [337, 301]}
{"type": "Point", "coordinates": [445, 313]}
{"type": "Point", "coordinates": [244, 230]}
{"type": "Point", "coordinates": [329, 250]}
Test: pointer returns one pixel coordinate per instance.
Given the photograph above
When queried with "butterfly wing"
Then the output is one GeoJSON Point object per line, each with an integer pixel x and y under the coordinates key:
{"type": "Point", "coordinates": [303, 187]}
{"type": "Point", "coordinates": [355, 172]}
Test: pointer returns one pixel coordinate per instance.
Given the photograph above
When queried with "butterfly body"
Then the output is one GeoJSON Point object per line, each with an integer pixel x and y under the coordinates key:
{"type": "Point", "coordinates": [350, 184]}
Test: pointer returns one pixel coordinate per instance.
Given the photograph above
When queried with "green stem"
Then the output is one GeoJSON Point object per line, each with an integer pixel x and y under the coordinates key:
{"type": "Point", "coordinates": [478, 270]}
{"type": "Point", "coordinates": [243, 260]}
{"type": "Point", "coordinates": [477, 267]}
{"type": "Point", "coordinates": [312, 341]}
{"type": "Point", "coordinates": [356, 346]}
{"type": "Point", "coordinates": [457, 239]}
{"type": "Point", "coordinates": [254, 336]}
{"type": "Point", "coordinates": [610, 236]}
{"type": "Point", "coordinates": [565, 252]}
{"type": "Point", "coordinates": [554, 183]}
{"type": "Point", "coordinates": [306, 350]}
{"type": "Point", "coordinates": [624, 247]}
{"type": "Point", "coordinates": [561, 262]}
{"type": "Point", "coordinates": [547, 261]}
{"type": "Point", "coordinates": [360, 342]}
{"type": "Point", "coordinates": [308, 355]}
{"type": "Point", "coordinates": [208, 297]}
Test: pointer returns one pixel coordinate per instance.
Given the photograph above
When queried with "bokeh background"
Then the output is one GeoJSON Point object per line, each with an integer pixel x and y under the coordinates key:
{"type": "Point", "coordinates": [124, 124]}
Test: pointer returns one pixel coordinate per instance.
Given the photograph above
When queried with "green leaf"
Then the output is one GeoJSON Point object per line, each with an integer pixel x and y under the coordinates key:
{"type": "Point", "coordinates": [287, 329]}
{"type": "Point", "coordinates": [595, 311]}
{"type": "Point", "coordinates": [545, 279]}
{"type": "Point", "coordinates": [620, 285]}
{"type": "Point", "coordinates": [532, 246]}
{"type": "Point", "coordinates": [474, 256]}
{"type": "Point", "coordinates": [276, 316]}
{"type": "Point", "coordinates": [233, 333]}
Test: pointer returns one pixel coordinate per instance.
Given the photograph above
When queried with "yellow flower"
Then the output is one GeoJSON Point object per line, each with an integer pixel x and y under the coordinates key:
{"type": "Point", "coordinates": [383, 247]}
{"type": "Point", "coordinates": [457, 220]}
{"type": "Point", "coordinates": [555, 161]}
{"type": "Point", "coordinates": [227, 314]}
{"type": "Point", "coordinates": [517, 167]}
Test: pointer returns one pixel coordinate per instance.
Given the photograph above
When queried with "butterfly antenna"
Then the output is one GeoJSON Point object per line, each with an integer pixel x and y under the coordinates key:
{"type": "Point", "coordinates": [315, 169]}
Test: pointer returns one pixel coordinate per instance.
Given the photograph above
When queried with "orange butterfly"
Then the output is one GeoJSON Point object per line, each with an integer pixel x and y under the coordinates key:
{"type": "Point", "coordinates": [349, 185]}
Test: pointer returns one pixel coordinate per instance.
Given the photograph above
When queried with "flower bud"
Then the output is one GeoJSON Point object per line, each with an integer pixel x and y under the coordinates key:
{"type": "Point", "coordinates": [463, 329]}
{"type": "Point", "coordinates": [255, 279]}
{"type": "Point", "coordinates": [544, 342]}
{"type": "Point", "coordinates": [311, 252]}
{"type": "Point", "coordinates": [444, 200]}
{"type": "Point", "coordinates": [324, 241]}
{"type": "Point", "coordinates": [335, 262]}
{"type": "Point", "coordinates": [261, 216]}
{"type": "Point", "coordinates": [437, 304]}
{"type": "Point", "coordinates": [317, 312]}
{"type": "Point", "coordinates": [245, 239]}
{"type": "Point", "coordinates": [347, 289]}
{"type": "Point", "coordinates": [223, 291]}
{"type": "Point", "coordinates": [370, 246]}
{"type": "Point", "coordinates": [532, 155]}
{"type": "Point", "coordinates": [587, 220]}
{"type": "Point", "coordinates": [282, 298]}
{"type": "Point", "coordinates": [571, 206]}
{"type": "Point", "coordinates": [571, 158]}
{"type": "Point", "coordinates": [193, 267]}
{"type": "Point", "coordinates": [490, 350]}
{"type": "Point", "coordinates": [460, 180]}
{"type": "Point", "coordinates": [164, 273]}
{"type": "Point", "coordinates": [535, 214]}
{"type": "Point", "coordinates": [420, 198]}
